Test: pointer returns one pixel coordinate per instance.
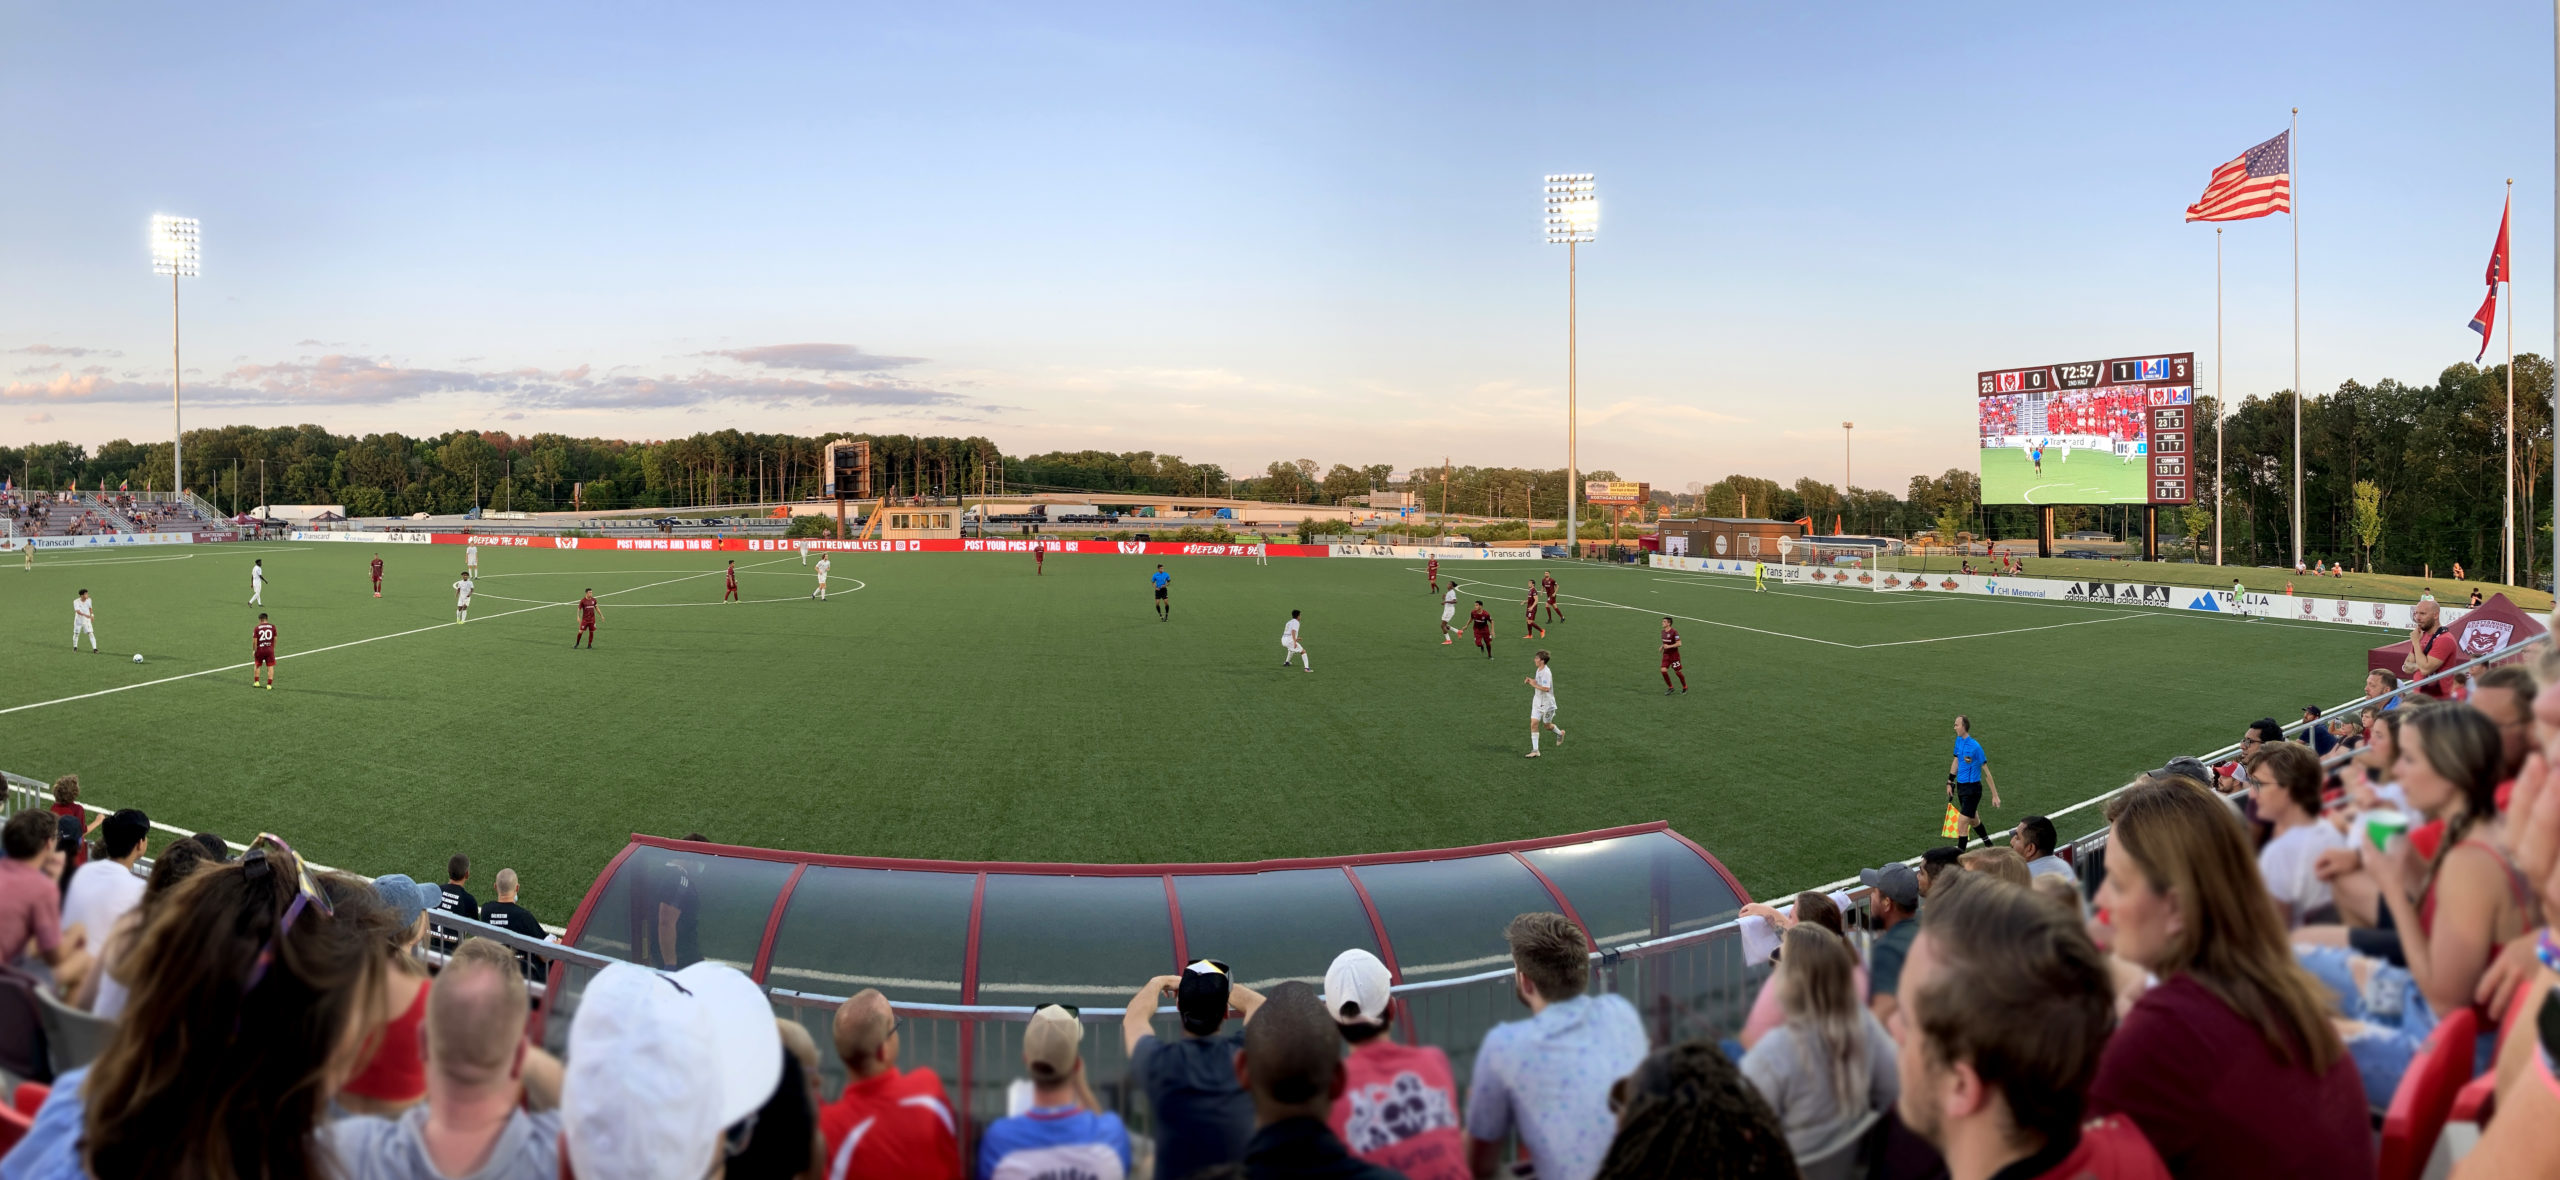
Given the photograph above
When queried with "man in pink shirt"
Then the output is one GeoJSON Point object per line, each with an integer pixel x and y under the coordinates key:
{"type": "Point", "coordinates": [1399, 1103]}
{"type": "Point", "coordinates": [31, 903]}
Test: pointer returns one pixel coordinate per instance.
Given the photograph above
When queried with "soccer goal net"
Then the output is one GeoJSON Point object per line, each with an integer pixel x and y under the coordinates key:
{"type": "Point", "coordinates": [1854, 562]}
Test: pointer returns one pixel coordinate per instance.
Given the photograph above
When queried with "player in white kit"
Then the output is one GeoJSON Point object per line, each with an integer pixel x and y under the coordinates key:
{"type": "Point", "coordinates": [462, 598]}
{"type": "Point", "coordinates": [84, 621]}
{"type": "Point", "coordinates": [821, 592]}
{"type": "Point", "coordinates": [1289, 645]}
{"type": "Point", "coordinates": [804, 553]}
{"type": "Point", "coordinates": [471, 561]}
{"type": "Point", "coordinates": [1542, 702]}
{"type": "Point", "coordinates": [1449, 612]}
{"type": "Point", "coordinates": [1262, 553]}
{"type": "Point", "coordinates": [257, 581]}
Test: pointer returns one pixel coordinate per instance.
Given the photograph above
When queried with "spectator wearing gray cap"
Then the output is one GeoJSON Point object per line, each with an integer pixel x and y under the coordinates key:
{"type": "Point", "coordinates": [1896, 906]}
{"type": "Point", "coordinates": [1066, 1133]}
{"type": "Point", "coordinates": [102, 890]}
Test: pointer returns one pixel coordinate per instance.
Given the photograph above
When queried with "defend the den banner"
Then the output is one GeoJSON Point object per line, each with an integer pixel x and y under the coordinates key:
{"type": "Point", "coordinates": [2116, 431]}
{"type": "Point", "coordinates": [1615, 491]}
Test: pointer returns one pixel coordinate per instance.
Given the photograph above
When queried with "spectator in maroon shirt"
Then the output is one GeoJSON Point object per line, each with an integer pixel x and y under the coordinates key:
{"type": "Point", "coordinates": [2431, 649]}
{"type": "Point", "coordinates": [2235, 1030]}
{"type": "Point", "coordinates": [31, 904]}
{"type": "Point", "coordinates": [2005, 1007]}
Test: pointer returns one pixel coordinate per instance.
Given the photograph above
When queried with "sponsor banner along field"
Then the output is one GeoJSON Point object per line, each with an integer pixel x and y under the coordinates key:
{"type": "Point", "coordinates": [816, 545]}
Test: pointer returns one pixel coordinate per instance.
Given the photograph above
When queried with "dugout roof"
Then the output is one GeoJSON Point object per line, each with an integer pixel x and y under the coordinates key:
{"type": "Point", "coordinates": [953, 932]}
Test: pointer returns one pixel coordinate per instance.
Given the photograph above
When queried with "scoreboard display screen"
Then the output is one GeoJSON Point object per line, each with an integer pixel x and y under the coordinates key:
{"type": "Point", "coordinates": [2118, 431]}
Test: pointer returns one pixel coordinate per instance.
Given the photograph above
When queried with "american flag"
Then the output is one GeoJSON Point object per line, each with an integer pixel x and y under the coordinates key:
{"type": "Point", "coordinates": [2260, 182]}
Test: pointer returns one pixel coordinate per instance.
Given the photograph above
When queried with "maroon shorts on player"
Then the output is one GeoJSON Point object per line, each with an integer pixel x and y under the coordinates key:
{"type": "Point", "coordinates": [586, 622]}
{"type": "Point", "coordinates": [1671, 659]}
{"type": "Point", "coordinates": [266, 657]}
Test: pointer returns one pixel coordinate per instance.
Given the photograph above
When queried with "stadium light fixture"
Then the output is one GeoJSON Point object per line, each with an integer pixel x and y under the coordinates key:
{"type": "Point", "coordinates": [175, 252]}
{"type": "Point", "coordinates": [1573, 217]}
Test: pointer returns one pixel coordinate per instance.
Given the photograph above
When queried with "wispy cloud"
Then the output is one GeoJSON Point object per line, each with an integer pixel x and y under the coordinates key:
{"type": "Point", "coordinates": [64, 350]}
{"type": "Point", "coordinates": [341, 380]}
{"type": "Point", "coordinates": [816, 358]}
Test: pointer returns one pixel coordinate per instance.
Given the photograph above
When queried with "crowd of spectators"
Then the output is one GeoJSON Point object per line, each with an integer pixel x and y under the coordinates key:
{"type": "Point", "coordinates": [2266, 948]}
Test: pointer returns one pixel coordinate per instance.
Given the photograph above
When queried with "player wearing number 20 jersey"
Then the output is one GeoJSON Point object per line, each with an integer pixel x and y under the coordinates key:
{"type": "Point", "coordinates": [262, 652]}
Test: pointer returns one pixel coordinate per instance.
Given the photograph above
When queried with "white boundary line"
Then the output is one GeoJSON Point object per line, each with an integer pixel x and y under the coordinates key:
{"type": "Point", "coordinates": [333, 647]}
{"type": "Point", "coordinates": [1995, 600]}
{"type": "Point", "coordinates": [2112, 618]}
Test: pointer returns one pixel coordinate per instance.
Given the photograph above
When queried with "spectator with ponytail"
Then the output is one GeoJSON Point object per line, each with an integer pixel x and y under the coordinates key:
{"type": "Point", "coordinates": [1831, 1062]}
{"type": "Point", "coordinates": [256, 988]}
{"type": "Point", "coordinates": [2452, 909]}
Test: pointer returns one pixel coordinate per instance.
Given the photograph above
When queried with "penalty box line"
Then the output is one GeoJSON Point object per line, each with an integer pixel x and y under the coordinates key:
{"type": "Point", "coordinates": [332, 647]}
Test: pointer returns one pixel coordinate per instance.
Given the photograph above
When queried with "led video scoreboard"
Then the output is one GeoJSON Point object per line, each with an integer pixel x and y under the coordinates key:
{"type": "Point", "coordinates": [2117, 431]}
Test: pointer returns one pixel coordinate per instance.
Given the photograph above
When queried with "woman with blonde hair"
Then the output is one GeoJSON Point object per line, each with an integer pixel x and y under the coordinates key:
{"type": "Point", "coordinates": [2452, 910]}
{"type": "Point", "coordinates": [2235, 1028]}
{"type": "Point", "coordinates": [1831, 1063]}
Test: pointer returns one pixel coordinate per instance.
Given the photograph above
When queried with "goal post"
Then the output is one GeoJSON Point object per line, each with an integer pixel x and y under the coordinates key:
{"type": "Point", "coordinates": [1856, 563]}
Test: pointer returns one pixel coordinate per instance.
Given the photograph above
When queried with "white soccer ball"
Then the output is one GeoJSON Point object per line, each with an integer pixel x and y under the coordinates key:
{"type": "Point", "coordinates": [137, 657]}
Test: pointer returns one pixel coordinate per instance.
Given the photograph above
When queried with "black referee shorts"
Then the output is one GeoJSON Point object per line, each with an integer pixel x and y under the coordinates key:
{"type": "Point", "coordinates": [1969, 799]}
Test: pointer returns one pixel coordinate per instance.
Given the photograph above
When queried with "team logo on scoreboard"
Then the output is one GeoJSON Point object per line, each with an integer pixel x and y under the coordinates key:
{"type": "Point", "coordinates": [2179, 395]}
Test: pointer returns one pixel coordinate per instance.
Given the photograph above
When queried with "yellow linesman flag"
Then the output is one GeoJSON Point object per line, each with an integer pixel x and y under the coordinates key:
{"type": "Point", "coordinates": [1954, 817]}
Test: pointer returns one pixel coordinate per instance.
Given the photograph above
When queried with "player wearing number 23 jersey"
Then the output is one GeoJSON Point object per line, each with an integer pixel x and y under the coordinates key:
{"type": "Point", "coordinates": [1671, 658]}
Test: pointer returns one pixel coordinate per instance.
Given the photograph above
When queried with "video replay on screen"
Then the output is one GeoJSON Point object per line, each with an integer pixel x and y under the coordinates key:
{"type": "Point", "coordinates": [2090, 432]}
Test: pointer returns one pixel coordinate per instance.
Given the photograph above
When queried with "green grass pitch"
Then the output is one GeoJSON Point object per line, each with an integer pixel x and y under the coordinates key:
{"type": "Point", "coordinates": [957, 706]}
{"type": "Point", "coordinates": [2086, 477]}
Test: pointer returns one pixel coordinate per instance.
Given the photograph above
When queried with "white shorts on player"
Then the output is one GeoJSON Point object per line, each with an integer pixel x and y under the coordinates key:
{"type": "Point", "coordinates": [80, 625]}
{"type": "Point", "coordinates": [1543, 710]}
{"type": "Point", "coordinates": [1448, 612]}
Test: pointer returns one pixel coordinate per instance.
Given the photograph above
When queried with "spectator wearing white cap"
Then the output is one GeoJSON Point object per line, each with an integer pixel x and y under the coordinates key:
{"type": "Point", "coordinates": [661, 1068]}
{"type": "Point", "coordinates": [1399, 1103]}
{"type": "Point", "coordinates": [1203, 1114]}
{"type": "Point", "coordinates": [1066, 1133]}
{"type": "Point", "coordinates": [481, 1076]}
{"type": "Point", "coordinates": [888, 1122]}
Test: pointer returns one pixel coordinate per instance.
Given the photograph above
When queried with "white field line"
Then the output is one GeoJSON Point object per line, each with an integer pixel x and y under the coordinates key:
{"type": "Point", "coordinates": [332, 647]}
{"type": "Point", "coordinates": [1988, 600]}
{"type": "Point", "coordinates": [1690, 618]}
{"type": "Point", "coordinates": [2118, 617]}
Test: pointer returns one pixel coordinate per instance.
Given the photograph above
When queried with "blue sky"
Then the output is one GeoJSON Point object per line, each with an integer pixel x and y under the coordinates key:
{"type": "Point", "coordinates": [1237, 233]}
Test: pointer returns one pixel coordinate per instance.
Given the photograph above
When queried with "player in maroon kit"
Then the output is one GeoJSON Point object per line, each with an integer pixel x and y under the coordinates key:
{"type": "Point", "coordinates": [377, 575]}
{"type": "Point", "coordinates": [262, 651]}
{"type": "Point", "coordinates": [731, 594]}
{"type": "Point", "coordinates": [1671, 658]}
{"type": "Point", "coordinates": [586, 620]}
{"type": "Point", "coordinates": [1039, 556]}
{"type": "Point", "coordinates": [1548, 584]}
{"type": "Point", "coordinates": [1530, 606]}
{"type": "Point", "coordinates": [1482, 620]}
{"type": "Point", "coordinates": [1432, 567]}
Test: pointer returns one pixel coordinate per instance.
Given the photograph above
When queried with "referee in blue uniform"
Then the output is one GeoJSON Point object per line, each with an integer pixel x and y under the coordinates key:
{"type": "Point", "coordinates": [1968, 773]}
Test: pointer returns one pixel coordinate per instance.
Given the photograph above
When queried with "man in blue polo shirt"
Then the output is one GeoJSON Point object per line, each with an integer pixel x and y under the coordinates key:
{"type": "Point", "coordinates": [1968, 773]}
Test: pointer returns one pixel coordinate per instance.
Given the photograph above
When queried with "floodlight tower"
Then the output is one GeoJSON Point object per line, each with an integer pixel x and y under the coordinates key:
{"type": "Point", "coordinates": [174, 253]}
{"type": "Point", "coordinates": [1573, 217]}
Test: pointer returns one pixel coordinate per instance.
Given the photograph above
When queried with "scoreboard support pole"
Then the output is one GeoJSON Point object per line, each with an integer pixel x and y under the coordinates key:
{"type": "Point", "coordinates": [2150, 532]}
{"type": "Point", "coordinates": [2044, 530]}
{"type": "Point", "coordinates": [839, 517]}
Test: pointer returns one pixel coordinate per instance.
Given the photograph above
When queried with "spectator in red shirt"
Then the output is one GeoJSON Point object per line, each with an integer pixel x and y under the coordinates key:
{"type": "Point", "coordinates": [1399, 1103]}
{"type": "Point", "coordinates": [2005, 1007]}
{"type": "Point", "coordinates": [2431, 649]}
{"type": "Point", "coordinates": [2235, 1028]}
{"type": "Point", "coordinates": [905, 1124]}
{"type": "Point", "coordinates": [31, 931]}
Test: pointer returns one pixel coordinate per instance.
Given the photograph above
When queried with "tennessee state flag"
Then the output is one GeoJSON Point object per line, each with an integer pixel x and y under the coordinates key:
{"type": "Point", "coordinates": [2487, 317]}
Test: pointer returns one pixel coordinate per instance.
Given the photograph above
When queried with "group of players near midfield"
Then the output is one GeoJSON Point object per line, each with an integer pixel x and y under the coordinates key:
{"type": "Point", "coordinates": [1541, 679]}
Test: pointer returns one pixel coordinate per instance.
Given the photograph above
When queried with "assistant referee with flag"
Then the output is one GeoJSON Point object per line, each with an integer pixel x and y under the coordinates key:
{"type": "Point", "coordinates": [1968, 773]}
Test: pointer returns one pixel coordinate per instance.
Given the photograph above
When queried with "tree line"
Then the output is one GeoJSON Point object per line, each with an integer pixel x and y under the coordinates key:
{"type": "Point", "coordinates": [2397, 477]}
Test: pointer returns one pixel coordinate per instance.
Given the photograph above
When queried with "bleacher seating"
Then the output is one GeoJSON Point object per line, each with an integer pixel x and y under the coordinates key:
{"type": "Point", "coordinates": [2425, 1098]}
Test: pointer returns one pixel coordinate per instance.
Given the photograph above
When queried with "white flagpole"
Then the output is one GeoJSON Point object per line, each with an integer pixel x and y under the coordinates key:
{"type": "Point", "coordinates": [2293, 165]}
{"type": "Point", "coordinates": [2510, 312]}
{"type": "Point", "coordinates": [2217, 393]}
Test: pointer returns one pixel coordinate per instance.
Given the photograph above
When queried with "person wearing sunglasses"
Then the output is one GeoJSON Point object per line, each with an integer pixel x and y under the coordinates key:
{"type": "Point", "coordinates": [275, 976]}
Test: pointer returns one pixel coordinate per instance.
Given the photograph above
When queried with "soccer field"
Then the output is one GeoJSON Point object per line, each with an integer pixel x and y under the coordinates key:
{"type": "Point", "coordinates": [2085, 477]}
{"type": "Point", "coordinates": [957, 706]}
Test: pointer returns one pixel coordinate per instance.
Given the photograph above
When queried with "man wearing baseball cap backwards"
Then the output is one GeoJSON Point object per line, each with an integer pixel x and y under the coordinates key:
{"type": "Point", "coordinates": [1065, 1133]}
{"type": "Point", "coordinates": [1203, 1115]}
{"type": "Point", "coordinates": [1399, 1103]}
{"type": "Point", "coordinates": [662, 1068]}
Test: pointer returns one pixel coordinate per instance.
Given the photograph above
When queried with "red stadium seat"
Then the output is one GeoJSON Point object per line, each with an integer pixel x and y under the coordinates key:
{"type": "Point", "coordinates": [2426, 1095]}
{"type": "Point", "coordinates": [29, 1097]}
{"type": "Point", "coordinates": [14, 1126]}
